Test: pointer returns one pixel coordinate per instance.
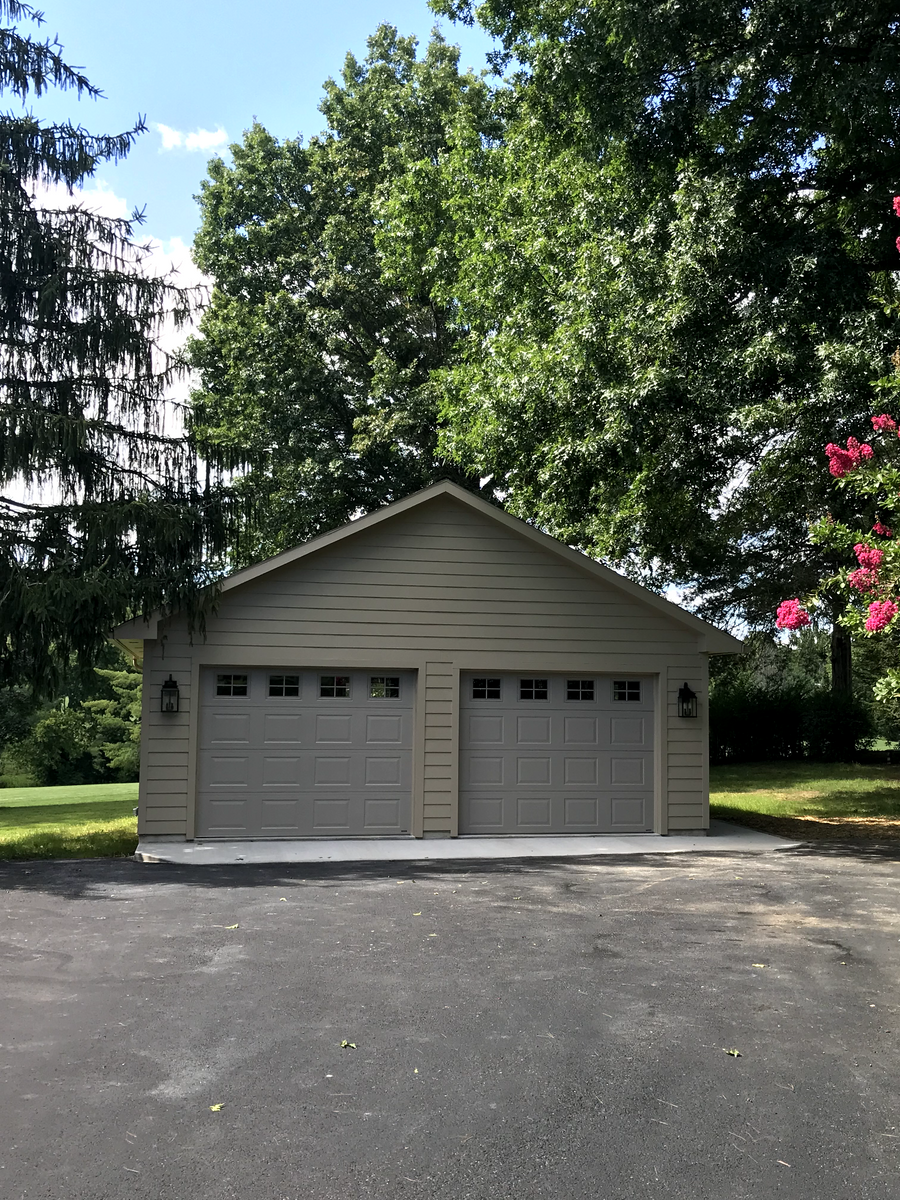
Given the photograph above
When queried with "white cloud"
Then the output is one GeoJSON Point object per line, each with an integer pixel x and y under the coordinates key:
{"type": "Point", "coordinates": [171, 138]}
{"type": "Point", "coordinates": [200, 139]}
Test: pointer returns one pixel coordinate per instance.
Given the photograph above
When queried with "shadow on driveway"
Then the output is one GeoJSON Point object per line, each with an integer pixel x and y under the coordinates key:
{"type": "Point", "coordinates": [76, 877]}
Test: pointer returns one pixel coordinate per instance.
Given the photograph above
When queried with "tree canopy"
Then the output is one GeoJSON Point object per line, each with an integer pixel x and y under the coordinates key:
{"type": "Point", "coordinates": [101, 514]}
{"type": "Point", "coordinates": [316, 398]}
{"type": "Point", "coordinates": [673, 279]}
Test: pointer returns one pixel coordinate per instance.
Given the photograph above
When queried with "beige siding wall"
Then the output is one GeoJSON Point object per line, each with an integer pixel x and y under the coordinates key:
{"type": "Point", "coordinates": [685, 771]}
{"type": "Point", "coordinates": [440, 589]}
{"type": "Point", "coordinates": [439, 791]}
{"type": "Point", "coordinates": [165, 745]}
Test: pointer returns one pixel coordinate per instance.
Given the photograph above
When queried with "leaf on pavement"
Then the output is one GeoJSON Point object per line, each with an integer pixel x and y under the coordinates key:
{"type": "Point", "coordinates": [345, 1045]}
{"type": "Point", "coordinates": [216, 1107]}
{"type": "Point", "coordinates": [733, 1053]}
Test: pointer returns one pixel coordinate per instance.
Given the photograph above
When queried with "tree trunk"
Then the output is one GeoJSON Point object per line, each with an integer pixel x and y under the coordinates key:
{"type": "Point", "coordinates": [841, 662]}
{"type": "Point", "coordinates": [840, 741]}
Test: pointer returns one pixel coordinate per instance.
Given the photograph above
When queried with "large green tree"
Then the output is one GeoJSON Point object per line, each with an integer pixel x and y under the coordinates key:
{"type": "Point", "coordinates": [101, 515]}
{"type": "Point", "coordinates": [316, 399]}
{"type": "Point", "coordinates": [673, 279]}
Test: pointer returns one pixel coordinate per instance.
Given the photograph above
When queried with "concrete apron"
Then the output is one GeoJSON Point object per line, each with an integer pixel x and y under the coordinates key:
{"type": "Point", "coordinates": [724, 837]}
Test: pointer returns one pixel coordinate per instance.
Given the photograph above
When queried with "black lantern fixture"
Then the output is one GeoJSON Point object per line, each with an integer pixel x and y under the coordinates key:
{"type": "Point", "coordinates": [687, 702]}
{"type": "Point", "coordinates": [169, 696]}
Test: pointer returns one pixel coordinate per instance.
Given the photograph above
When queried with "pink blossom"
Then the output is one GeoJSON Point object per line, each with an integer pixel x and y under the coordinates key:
{"type": "Point", "coordinates": [897, 205]}
{"type": "Point", "coordinates": [868, 556]}
{"type": "Point", "coordinates": [863, 579]}
{"type": "Point", "coordinates": [841, 462]}
{"type": "Point", "coordinates": [791, 616]}
{"type": "Point", "coordinates": [882, 530]}
{"type": "Point", "coordinates": [858, 450]}
{"type": "Point", "coordinates": [897, 243]}
{"type": "Point", "coordinates": [880, 615]}
{"type": "Point", "coordinates": [884, 422]}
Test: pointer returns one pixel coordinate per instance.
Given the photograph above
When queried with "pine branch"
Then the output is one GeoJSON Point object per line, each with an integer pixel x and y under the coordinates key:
{"type": "Point", "coordinates": [29, 67]}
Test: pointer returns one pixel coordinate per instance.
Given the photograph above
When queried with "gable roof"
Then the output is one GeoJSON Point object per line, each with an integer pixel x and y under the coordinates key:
{"type": "Point", "coordinates": [714, 640]}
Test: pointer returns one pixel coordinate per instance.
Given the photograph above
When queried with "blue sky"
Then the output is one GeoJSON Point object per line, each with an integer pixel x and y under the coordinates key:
{"type": "Point", "coordinates": [199, 65]}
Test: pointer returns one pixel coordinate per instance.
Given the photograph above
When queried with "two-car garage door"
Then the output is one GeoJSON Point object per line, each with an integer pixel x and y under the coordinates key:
{"type": "Point", "coordinates": [298, 753]}
{"type": "Point", "coordinates": [556, 754]}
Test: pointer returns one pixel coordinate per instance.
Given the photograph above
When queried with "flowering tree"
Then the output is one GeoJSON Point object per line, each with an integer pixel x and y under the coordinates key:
{"type": "Point", "coordinates": [868, 586]}
{"type": "Point", "coordinates": [870, 582]}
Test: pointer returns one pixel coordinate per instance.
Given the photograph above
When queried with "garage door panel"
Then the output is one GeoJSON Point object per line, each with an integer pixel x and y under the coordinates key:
{"type": "Point", "coordinates": [533, 770]}
{"type": "Point", "coordinates": [384, 730]}
{"type": "Point", "coordinates": [627, 770]}
{"type": "Point", "coordinates": [330, 816]}
{"type": "Point", "coordinates": [483, 769]}
{"type": "Point", "coordinates": [581, 812]}
{"type": "Point", "coordinates": [485, 731]}
{"type": "Point", "coordinates": [334, 728]}
{"type": "Point", "coordinates": [481, 814]}
{"type": "Point", "coordinates": [579, 772]}
{"type": "Point", "coordinates": [229, 818]}
{"type": "Point", "coordinates": [331, 771]}
{"type": "Point", "coordinates": [628, 811]}
{"type": "Point", "coordinates": [581, 731]}
{"type": "Point", "coordinates": [321, 763]}
{"type": "Point", "coordinates": [279, 818]}
{"type": "Point", "coordinates": [283, 728]}
{"type": "Point", "coordinates": [230, 727]}
{"type": "Point", "coordinates": [572, 756]}
{"type": "Point", "coordinates": [627, 731]}
{"type": "Point", "coordinates": [279, 771]}
{"type": "Point", "coordinates": [534, 812]}
{"type": "Point", "coordinates": [229, 771]}
{"type": "Point", "coordinates": [381, 814]}
{"type": "Point", "coordinates": [533, 731]}
{"type": "Point", "coordinates": [383, 771]}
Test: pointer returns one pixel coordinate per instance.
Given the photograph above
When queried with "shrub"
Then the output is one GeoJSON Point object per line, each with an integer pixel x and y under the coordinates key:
{"type": "Point", "coordinates": [57, 751]}
{"type": "Point", "coordinates": [751, 723]}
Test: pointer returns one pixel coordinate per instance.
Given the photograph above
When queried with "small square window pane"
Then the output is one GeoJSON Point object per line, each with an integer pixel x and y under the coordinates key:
{"type": "Point", "coordinates": [284, 685]}
{"type": "Point", "coordinates": [485, 689]}
{"type": "Point", "coordinates": [579, 689]}
{"type": "Point", "coordinates": [533, 689]}
{"type": "Point", "coordinates": [627, 689]}
{"type": "Point", "coordinates": [384, 687]}
{"type": "Point", "coordinates": [335, 687]}
{"type": "Point", "coordinates": [231, 685]}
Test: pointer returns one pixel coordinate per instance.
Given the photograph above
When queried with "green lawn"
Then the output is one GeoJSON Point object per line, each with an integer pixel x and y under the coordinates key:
{"type": "Point", "coordinates": [89, 821]}
{"type": "Point", "coordinates": [839, 798]}
{"type": "Point", "coordinates": [798, 799]}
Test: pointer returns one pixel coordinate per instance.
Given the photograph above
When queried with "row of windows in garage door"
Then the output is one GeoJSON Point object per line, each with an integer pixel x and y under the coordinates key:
{"type": "Point", "coordinates": [387, 687]}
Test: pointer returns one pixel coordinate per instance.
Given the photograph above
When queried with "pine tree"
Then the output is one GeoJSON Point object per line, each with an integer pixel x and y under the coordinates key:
{"type": "Point", "coordinates": [101, 512]}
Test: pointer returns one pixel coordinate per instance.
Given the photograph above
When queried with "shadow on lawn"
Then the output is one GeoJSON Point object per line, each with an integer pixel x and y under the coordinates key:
{"type": "Point", "coordinates": [821, 826]}
{"type": "Point", "coordinates": [836, 802]}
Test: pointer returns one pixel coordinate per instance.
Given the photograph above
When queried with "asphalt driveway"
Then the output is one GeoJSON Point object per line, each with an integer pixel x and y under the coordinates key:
{"type": "Point", "coordinates": [521, 1030]}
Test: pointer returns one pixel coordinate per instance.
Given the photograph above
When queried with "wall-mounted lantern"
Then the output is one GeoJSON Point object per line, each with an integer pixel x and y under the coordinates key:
{"type": "Point", "coordinates": [687, 702]}
{"type": "Point", "coordinates": [169, 696]}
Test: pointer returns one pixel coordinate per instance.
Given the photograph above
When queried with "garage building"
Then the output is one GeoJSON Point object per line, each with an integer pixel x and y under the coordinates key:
{"type": "Point", "coordinates": [437, 668]}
